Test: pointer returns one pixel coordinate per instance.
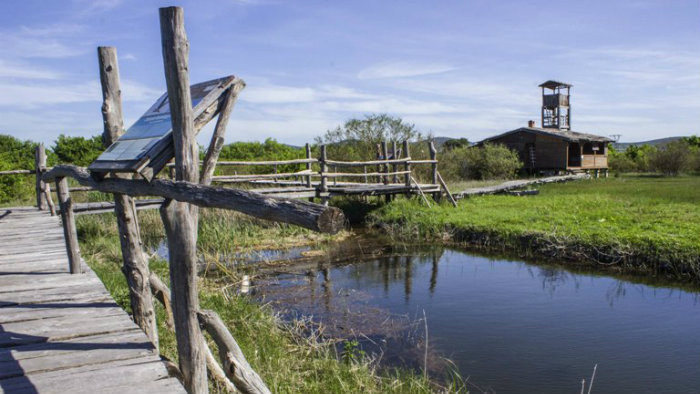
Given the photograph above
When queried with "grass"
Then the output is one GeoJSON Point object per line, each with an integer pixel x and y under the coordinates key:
{"type": "Point", "coordinates": [290, 357]}
{"type": "Point", "coordinates": [638, 222]}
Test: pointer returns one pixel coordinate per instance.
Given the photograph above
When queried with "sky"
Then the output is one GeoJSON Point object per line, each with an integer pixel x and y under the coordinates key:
{"type": "Point", "coordinates": [453, 68]}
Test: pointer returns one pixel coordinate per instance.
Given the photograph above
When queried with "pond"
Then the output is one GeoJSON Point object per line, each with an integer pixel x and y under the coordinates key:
{"type": "Point", "coordinates": [508, 326]}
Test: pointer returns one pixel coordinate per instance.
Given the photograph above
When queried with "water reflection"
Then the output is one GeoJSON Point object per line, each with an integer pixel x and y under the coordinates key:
{"type": "Point", "coordinates": [504, 322]}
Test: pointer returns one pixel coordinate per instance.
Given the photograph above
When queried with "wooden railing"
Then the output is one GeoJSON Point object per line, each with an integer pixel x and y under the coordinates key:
{"type": "Point", "coordinates": [387, 169]}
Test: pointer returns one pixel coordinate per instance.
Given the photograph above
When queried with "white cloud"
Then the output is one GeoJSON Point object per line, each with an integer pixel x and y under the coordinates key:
{"type": "Point", "coordinates": [41, 42]}
{"type": "Point", "coordinates": [97, 6]}
{"type": "Point", "coordinates": [402, 69]}
{"type": "Point", "coordinates": [26, 71]}
{"type": "Point", "coordinates": [30, 95]}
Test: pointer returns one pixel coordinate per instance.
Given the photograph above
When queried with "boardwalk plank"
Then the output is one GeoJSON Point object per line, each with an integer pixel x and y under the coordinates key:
{"type": "Point", "coordinates": [62, 333]}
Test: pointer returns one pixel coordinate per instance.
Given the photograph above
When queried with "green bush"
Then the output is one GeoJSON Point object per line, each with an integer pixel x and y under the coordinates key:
{"type": "Point", "coordinates": [80, 151]}
{"type": "Point", "coordinates": [261, 151]}
{"type": "Point", "coordinates": [673, 158]}
{"type": "Point", "coordinates": [483, 162]}
{"type": "Point", "coordinates": [16, 155]}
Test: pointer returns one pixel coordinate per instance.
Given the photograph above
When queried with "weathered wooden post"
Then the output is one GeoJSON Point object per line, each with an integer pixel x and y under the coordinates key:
{"type": "Point", "coordinates": [308, 164]}
{"type": "Point", "coordinates": [70, 234]}
{"type": "Point", "coordinates": [407, 166]}
{"type": "Point", "coordinates": [434, 167]}
{"type": "Point", "coordinates": [433, 158]}
{"type": "Point", "coordinates": [324, 169]}
{"type": "Point", "coordinates": [39, 168]}
{"type": "Point", "coordinates": [180, 219]}
{"type": "Point", "coordinates": [135, 265]}
{"type": "Point", "coordinates": [385, 153]}
{"type": "Point", "coordinates": [217, 139]}
{"type": "Point", "coordinates": [395, 165]}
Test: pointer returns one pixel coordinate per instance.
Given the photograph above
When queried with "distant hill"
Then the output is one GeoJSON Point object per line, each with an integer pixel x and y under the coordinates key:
{"type": "Point", "coordinates": [657, 142]}
{"type": "Point", "coordinates": [440, 141]}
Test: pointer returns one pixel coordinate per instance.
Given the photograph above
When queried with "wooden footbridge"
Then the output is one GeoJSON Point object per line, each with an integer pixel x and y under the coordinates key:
{"type": "Point", "coordinates": [63, 333]}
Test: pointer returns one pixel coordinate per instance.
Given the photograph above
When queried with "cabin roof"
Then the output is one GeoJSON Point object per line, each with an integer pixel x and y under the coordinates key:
{"type": "Point", "coordinates": [553, 84]}
{"type": "Point", "coordinates": [566, 135]}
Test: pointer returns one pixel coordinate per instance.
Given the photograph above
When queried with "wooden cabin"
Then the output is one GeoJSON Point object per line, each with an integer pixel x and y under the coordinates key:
{"type": "Point", "coordinates": [546, 149]}
{"type": "Point", "coordinates": [554, 146]}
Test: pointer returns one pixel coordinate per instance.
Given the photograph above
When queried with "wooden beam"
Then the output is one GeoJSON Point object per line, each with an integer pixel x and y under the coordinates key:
{"type": "Point", "coordinates": [385, 166]}
{"type": "Point", "coordinates": [17, 172]}
{"type": "Point", "coordinates": [217, 138]}
{"type": "Point", "coordinates": [394, 165]}
{"type": "Point", "coordinates": [112, 118]}
{"type": "Point", "coordinates": [407, 166]}
{"type": "Point", "coordinates": [433, 160]}
{"type": "Point", "coordinates": [447, 191]}
{"type": "Point", "coordinates": [324, 169]}
{"type": "Point", "coordinates": [308, 164]}
{"type": "Point", "coordinates": [301, 213]}
{"type": "Point", "coordinates": [179, 218]}
{"type": "Point", "coordinates": [39, 168]}
{"type": "Point", "coordinates": [70, 232]}
{"type": "Point", "coordinates": [134, 262]}
{"type": "Point", "coordinates": [234, 362]}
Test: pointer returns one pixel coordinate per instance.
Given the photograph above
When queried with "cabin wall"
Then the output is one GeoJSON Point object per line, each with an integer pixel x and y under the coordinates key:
{"type": "Point", "coordinates": [550, 152]}
{"type": "Point", "coordinates": [519, 143]}
{"type": "Point", "coordinates": [594, 161]}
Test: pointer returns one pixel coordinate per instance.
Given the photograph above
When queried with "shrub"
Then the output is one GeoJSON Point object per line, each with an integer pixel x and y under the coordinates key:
{"type": "Point", "coordinates": [265, 151]}
{"type": "Point", "coordinates": [16, 155]}
{"type": "Point", "coordinates": [483, 162]}
{"type": "Point", "coordinates": [672, 159]}
{"type": "Point", "coordinates": [455, 143]}
{"type": "Point", "coordinates": [80, 151]}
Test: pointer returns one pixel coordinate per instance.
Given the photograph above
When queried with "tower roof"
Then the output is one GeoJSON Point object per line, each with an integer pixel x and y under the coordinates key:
{"type": "Point", "coordinates": [553, 84]}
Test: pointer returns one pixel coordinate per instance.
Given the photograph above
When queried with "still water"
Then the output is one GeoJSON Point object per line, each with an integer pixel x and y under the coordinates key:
{"type": "Point", "coordinates": [510, 326]}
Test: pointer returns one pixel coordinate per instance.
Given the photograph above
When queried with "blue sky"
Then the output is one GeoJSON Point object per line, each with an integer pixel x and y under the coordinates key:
{"type": "Point", "coordinates": [454, 68]}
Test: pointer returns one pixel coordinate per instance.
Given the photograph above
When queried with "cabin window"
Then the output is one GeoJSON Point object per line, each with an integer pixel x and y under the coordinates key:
{"type": "Point", "coordinates": [587, 148]}
{"type": "Point", "coordinates": [601, 148]}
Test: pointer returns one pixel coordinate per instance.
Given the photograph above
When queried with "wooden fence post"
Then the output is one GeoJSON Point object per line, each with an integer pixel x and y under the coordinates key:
{"type": "Point", "coordinates": [180, 219]}
{"type": "Point", "coordinates": [308, 165]}
{"type": "Point", "coordinates": [395, 165]}
{"type": "Point", "coordinates": [433, 167]}
{"type": "Point", "coordinates": [39, 168]}
{"type": "Point", "coordinates": [135, 265]}
{"type": "Point", "coordinates": [69, 231]}
{"type": "Point", "coordinates": [324, 169]}
{"type": "Point", "coordinates": [407, 166]}
{"type": "Point", "coordinates": [385, 153]}
{"type": "Point", "coordinates": [217, 138]}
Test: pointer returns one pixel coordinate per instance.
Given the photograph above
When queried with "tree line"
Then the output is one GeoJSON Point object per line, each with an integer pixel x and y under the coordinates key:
{"type": "Point", "coordinates": [676, 157]}
{"type": "Point", "coordinates": [356, 140]}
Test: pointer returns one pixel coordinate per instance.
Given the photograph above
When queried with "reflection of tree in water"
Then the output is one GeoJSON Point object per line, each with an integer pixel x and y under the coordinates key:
{"type": "Point", "coordinates": [397, 269]}
{"type": "Point", "coordinates": [616, 291]}
{"type": "Point", "coordinates": [552, 278]}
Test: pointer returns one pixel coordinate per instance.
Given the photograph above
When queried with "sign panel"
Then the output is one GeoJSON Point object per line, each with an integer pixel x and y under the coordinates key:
{"type": "Point", "coordinates": [150, 137]}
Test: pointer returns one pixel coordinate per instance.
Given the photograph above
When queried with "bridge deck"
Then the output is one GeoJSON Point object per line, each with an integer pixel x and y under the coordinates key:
{"type": "Point", "coordinates": [63, 333]}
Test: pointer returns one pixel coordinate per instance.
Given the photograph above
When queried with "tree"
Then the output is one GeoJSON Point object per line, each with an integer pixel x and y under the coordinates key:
{"type": "Point", "coordinates": [672, 159]}
{"type": "Point", "coordinates": [455, 143]}
{"type": "Point", "coordinates": [80, 151]}
{"type": "Point", "coordinates": [358, 138]}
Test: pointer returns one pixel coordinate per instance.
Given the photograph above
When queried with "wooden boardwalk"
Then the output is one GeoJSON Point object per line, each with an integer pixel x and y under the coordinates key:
{"type": "Point", "coordinates": [63, 333]}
